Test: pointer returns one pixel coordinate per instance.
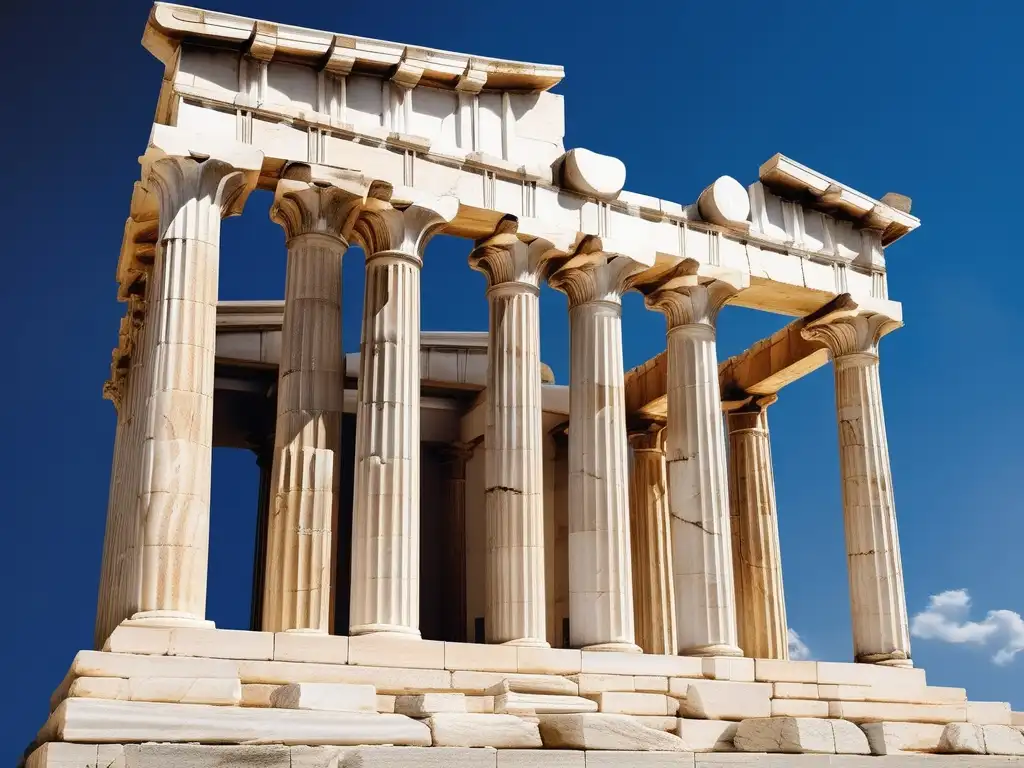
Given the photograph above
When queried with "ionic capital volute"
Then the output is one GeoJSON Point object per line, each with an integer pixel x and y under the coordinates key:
{"type": "Point", "coordinates": [318, 200]}
{"type": "Point", "coordinates": [590, 274]}
{"type": "Point", "coordinates": [180, 168]}
{"type": "Point", "coordinates": [692, 294]}
{"type": "Point", "coordinates": [402, 229]}
{"type": "Point", "coordinates": [851, 333]}
{"type": "Point", "coordinates": [511, 260]}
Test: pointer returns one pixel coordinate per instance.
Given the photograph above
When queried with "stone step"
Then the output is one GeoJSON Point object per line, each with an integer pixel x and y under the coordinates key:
{"type": "Point", "coordinates": [96, 720]}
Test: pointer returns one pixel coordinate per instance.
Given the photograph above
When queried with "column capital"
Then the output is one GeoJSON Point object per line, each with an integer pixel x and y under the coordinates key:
{"type": "Point", "coordinates": [315, 199]}
{"type": "Point", "coordinates": [647, 437]}
{"type": "Point", "coordinates": [851, 333]}
{"type": "Point", "coordinates": [401, 228]}
{"type": "Point", "coordinates": [752, 415]}
{"type": "Point", "coordinates": [507, 260]}
{"type": "Point", "coordinates": [180, 167]}
{"type": "Point", "coordinates": [693, 294]}
{"type": "Point", "coordinates": [595, 276]}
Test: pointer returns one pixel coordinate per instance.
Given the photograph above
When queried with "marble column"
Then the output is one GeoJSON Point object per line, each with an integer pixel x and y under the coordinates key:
{"type": "Point", "coordinates": [513, 441]}
{"type": "Point", "coordinates": [650, 536]}
{"type": "Point", "coordinates": [600, 566]}
{"type": "Point", "coordinates": [698, 484]}
{"type": "Point", "coordinates": [385, 512]}
{"type": "Point", "coordinates": [757, 562]}
{"type": "Point", "coordinates": [119, 587]}
{"type": "Point", "coordinates": [194, 192]}
{"type": "Point", "coordinates": [317, 207]}
{"type": "Point", "coordinates": [878, 602]}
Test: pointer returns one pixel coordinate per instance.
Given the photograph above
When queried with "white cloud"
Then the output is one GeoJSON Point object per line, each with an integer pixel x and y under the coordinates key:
{"type": "Point", "coordinates": [945, 619]}
{"type": "Point", "coordinates": [798, 650]}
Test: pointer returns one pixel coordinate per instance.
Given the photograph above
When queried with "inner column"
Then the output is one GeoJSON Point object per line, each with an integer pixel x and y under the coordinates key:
{"type": "Point", "coordinates": [698, 485]}
{"type": "Point", "coordinates": [385, 511]}
{"type": "Point", "coordinates": [317, 207]}
{"type": "Point", "coordinates": [513, 441]}
{"type": "Point", "coordinates": [600, 566]}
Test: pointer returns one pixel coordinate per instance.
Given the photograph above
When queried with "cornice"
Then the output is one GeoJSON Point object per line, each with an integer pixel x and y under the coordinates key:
{"type": "Point", "coordinates": [168, 25]}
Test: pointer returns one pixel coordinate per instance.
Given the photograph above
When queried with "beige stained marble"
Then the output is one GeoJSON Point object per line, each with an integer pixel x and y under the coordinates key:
{"type": "Point", "coordinates": [317, 207]}
{"type": "Point", "coordinates": [650, 538]}
{"type": "Point", "coordinates": [386, 513]}
{"type": "Point", "coordinates": [600, 565]}
{"type": "Point", "coordinates": [757, 560]}
{"type": "Point", "coordinates": [698, 489]}
{"type": "Point", "coordinates": [513, 440]}
{"type": "Point", "coordinates": [194, 191]}
{"type": "Point", "coordinates": [877, 599]}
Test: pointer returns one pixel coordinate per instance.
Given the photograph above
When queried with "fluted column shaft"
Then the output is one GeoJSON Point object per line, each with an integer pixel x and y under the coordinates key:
{"type": "Point", "coordinates": [698, 483]}
{"type": "Point", "coordinates": [119, 589]}
{"type": "Point", "coordinates": [174, 488]}
{"type": "Point", "coordinates": [513, 443]}
{"type": "Point", "coordinates": [650, 537]}
{"type": "Point", "coordinates": [757, 562]}
{"type": "Point", "coordinates": [386, 505]}
{"type": "Point", "coordinates": [877, 598]}
{"type": "Point", "coordinates": [317, 208]}
{"type": "Point", "coordinates": [600, 567]}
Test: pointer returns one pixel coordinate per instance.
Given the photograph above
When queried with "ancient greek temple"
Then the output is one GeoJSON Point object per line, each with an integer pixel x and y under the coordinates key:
{"type": "Point", "coordinates": [459, 561]}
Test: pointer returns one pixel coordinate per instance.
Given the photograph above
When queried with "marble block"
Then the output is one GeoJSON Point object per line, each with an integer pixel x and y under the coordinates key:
{"type": "Point", "coordinates": [707, 735]}
{"type": "Point", "coordinates": [480, 704]}
{"type": "Point", "coordinates": [799, 708]}
{"type": "Point", "coordinates": [477, 730]}
{"type": "Point", "coordinates": [962, 739]}
{"type": "Point", "coordinates": [850, 740]}
{"type": "Point", "coordinates": [614, 663]}
{"type": "Point", "coordinates": [541, 704]}
{"type": "Point", "coordinates": [795, 691]}
{"type": "Point", "coordinates": [878, 711]}
{"type": "Point", "coordinates": [785, 734]}
{"type": "Point", "coordinates": [172, 690]}
{"type": "Point", "coordinates": [898, 738]}
{"type": "Point", "coordinates": [781, 671]}
{"type": "Point", "coordinates": [1003, 740]}
{"type": "Point", "coordinates": [384, 679]}
{"type": "Point", "coordinates": [326, 697]}
{"type": "Point", "coordinates": [601, 731]}
{"type": "Point", "coordinates": [988, 712]}
{"type": "Point", "coordinates": [650, 684]}
{"type": "Point", "coordinates": [722, 700]}
{"type": "Point", "coordinates": [735, 668]}
{"type": "Point", "coordinates": [541, 758]}
{"type": "Point", "coordinates": [598, 683]}
{"type": "Point", "coordinates": [134, 721]}
{"type": "Point", "coordinates": [550, 661]}
{"type": "Point", "coordinates": [311, 647]}
{"type": "Point", "coordinates": [549, 684]}
{"type": "Point", "coordinates": [404, 757]}
{"type": "Point", "coordinates": [257, 694]}
{"type": "Point", "coordinates": [625, 703]}
{"type": "Point", "coordinates": [375, 651]}
{"type": "Point", "coordinates": [427, 704]}
{"type": "Point", "coordinates": [386, 703]}
{"type": "Point", "coordinates": [480, 657]}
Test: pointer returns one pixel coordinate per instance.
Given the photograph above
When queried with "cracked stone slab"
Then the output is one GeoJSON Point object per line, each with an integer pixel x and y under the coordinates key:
{"type": "Point", "coordinates": [602, 731]}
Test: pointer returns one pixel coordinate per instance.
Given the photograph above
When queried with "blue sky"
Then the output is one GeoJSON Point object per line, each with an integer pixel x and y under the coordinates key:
{"type": "Point", "coordinates": [914, 97]}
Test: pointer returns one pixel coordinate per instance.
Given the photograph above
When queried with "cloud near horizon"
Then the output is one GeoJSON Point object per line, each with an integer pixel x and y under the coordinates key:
{"type": "Point", "coordinates": [798, 650]}
{"type": "Point", "coordinates": [946, 619]}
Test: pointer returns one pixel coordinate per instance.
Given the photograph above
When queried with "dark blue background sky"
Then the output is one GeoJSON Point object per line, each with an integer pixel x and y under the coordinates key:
{"type": "Point", "coordinates": [922, 98]}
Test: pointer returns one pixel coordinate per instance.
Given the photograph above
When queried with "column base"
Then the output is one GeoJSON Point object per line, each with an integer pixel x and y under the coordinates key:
{"type": "Point", "coordinates": [618, 647]}
{"type": "Point", "coordinates": [167, 619]}
{"type": "Point", "coordinates": [527, 642]}
{"type": "Point", "coordinates": [892, 659]}
{"type": "Point", "coordinates": [716, 649]}
{"type": "Point", "coordinates": [385, 630]}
